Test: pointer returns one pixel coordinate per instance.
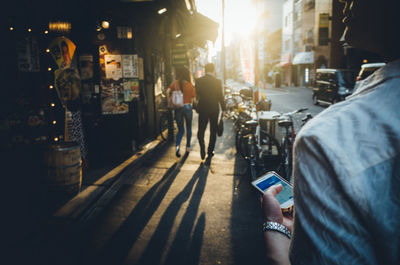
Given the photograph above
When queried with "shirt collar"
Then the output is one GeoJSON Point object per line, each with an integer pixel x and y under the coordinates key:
{"type": "Point", "coordinates": [384, 73]}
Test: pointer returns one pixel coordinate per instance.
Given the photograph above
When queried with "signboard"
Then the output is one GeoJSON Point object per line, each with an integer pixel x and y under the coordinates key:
{"type": "Point", "coordinates": [324, 20]}
{"type": "Point", "coordinates": [323, 30]}
{"type": "Point", "coordinates": [141, 69]}
{"type": "Point", "coordinates": [130, 67]}
{"type": "Point", "coordinates": [179, 57]}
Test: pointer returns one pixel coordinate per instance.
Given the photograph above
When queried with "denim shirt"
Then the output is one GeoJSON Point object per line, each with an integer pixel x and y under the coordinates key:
{"type": "Point", "coordinates": [347, 178]}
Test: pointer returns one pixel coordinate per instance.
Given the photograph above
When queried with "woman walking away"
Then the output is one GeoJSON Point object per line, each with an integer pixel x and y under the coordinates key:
{"type": "Point", "coordinates": [183, 107]}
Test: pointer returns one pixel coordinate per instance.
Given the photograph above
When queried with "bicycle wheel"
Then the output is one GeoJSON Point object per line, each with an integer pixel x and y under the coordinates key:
{"type": "Point", "coordinates": [253, 172]}
{"type": "Point", "coordinates": [287, 158]}
{"type": "Point", "coordinates": [164, 125]}
{"type": "Point", "coordinates": [241, 144]}
{"type": "Point", "coordinates": [252, 157]}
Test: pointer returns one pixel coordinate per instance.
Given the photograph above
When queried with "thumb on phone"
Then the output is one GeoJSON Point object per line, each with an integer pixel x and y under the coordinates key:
{"type": "Point", "coordinates": [270, 205]}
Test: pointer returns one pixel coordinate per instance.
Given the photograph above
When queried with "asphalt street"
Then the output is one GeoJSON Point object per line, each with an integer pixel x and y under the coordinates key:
{"type": "Point", "coordinates": [174, 210]}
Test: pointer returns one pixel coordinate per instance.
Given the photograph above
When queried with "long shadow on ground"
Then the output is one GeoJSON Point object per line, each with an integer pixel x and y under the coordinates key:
{"type": "Point", "coordinates": [118, 246]}
{"type": "Point", "coordinates": [184, 248]}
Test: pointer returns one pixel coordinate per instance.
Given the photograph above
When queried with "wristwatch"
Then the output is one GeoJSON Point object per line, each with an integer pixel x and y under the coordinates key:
{"type": "Point", "coordinates": [277, 227]}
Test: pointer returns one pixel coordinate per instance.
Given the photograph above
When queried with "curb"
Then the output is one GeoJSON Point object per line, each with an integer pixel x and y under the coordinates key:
{"type": "Point", "coordinates": [86, 204]}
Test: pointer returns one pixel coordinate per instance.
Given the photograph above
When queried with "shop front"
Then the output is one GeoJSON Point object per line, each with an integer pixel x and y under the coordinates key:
{"type": "Point", "coordinates": [304, 63]}
{"type": "Point", "coordinates": [92, 76]}
{"type": "Point", "coordinates": [286, 65]}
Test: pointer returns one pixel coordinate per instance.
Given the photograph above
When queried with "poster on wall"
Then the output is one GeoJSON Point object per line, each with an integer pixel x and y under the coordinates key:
{"type": "Point", "coordinates": [62, 50]}
{"type": "Point", "coordinates": [28, 55]}
{"type": "Point", "coordinates": [131, 89]}
{"type": "Point", "coordinates": [158, 87]}
{"type": "Point", "coordinates": [86, 66]}
{"type": "Point", "coordinates": [113, 66]}
{"type": "Point", "coordinates": [130, 66]}
{"type": "Point", "coordinates": [113, 98]}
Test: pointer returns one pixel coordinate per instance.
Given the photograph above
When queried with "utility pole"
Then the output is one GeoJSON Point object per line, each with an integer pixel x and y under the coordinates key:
{"type": "Point", "coordinates": [223, 44]}
{"type": "Point", "coordinates": [256, 69]}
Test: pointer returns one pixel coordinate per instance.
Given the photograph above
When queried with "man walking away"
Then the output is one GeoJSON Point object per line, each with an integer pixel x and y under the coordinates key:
{"type": "Point", "coordinates": [209, 93]}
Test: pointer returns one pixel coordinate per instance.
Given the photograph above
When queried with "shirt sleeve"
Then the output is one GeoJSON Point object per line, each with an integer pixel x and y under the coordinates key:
{"type": "Point", "coordinates": [192, 91]}
{"type": "Point", "coordinates": [220, 95]}
{"type": "Point", "coordinates": [327, 226]}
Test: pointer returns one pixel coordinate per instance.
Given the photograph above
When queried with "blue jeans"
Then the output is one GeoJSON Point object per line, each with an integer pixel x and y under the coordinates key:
{"type": "Point", "coordinates": [184, 113]}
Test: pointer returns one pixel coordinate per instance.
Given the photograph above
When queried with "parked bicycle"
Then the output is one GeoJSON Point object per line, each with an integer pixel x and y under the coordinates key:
{"type": "Point", "coordinates": [163, 122]}
{"type": "Point", "coordinates": [286, 122]}
{"type": "Point", "coordinates": [164, 119]}
{"type": "Point", "coordinates": [256, 144]}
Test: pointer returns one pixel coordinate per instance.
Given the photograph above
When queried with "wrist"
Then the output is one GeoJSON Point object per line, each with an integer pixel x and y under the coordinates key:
{"type": "Point", "coordinates": [274, 226]}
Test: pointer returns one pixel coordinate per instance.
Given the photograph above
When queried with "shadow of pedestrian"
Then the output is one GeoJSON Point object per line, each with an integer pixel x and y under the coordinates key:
{"type": "Point", "coordinates": [118, 246]}
{"type": "Point", "coordinates": [245, 226]}
{"type": "Point", "coordinates": [185, 248]}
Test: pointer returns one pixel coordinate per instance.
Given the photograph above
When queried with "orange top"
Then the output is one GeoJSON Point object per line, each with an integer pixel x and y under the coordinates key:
{"type": "Point", "coordinates": [189, 91]}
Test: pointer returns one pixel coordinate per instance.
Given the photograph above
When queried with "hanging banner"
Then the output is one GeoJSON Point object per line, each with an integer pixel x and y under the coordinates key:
{"type": "Point", "coordinates": [62, 50]}
{"type": "Point", "coordinates": [247, 60]}
{"type": "Point", "coordinates": [68, 86]}
{"type": "Point", "coordinates": [113, 65]}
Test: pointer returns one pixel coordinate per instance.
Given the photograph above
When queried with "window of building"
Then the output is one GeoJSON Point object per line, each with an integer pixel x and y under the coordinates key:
{"type": "Point", "coordinates": [323, 39]}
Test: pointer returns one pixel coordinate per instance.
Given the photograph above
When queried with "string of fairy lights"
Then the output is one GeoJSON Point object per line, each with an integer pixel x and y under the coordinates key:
{"type": "Point", "coordinates": [60, 27]}
{"type": "Point", "coordinates": [52, 120]}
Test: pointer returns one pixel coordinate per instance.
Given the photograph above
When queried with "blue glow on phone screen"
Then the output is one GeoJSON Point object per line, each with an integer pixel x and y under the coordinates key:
{"type": "Point", "coordinates": [286, 192]}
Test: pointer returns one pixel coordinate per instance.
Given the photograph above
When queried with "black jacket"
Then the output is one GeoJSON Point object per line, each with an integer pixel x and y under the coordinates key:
{"type": "Point", "coordinates": [209, 93]}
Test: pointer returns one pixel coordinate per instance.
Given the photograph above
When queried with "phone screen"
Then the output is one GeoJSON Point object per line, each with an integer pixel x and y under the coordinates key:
{"type": "Point", "coordinates": [285, 195]}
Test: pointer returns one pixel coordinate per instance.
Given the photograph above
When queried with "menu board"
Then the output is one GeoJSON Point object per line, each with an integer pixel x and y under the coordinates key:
{"type": "Point", "coordinates": [130, 66]}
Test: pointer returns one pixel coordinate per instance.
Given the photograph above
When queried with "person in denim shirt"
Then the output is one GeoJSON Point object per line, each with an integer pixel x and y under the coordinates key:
{"type": "Point", "coordinates": [347, 162]}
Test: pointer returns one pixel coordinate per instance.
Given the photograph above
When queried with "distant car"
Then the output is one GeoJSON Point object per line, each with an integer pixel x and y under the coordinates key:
{"type": "Point", "coordinates": [367, 69]}
{"type": "Point", "coordinates": [332, 85]}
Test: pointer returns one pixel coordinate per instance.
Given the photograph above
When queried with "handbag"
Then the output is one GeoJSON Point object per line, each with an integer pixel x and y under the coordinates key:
{"type": "Point", "coordinates": [176, 98]}
{"type": "Point", "coordinates": [220, 129]}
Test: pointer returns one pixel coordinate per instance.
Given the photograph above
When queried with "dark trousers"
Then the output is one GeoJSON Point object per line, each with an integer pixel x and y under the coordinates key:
{"type": "Point", "coordinates": [204, 118]}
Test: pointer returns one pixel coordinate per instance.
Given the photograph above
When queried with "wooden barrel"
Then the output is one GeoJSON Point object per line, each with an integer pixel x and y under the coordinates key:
{"type": "Point", "coordinates": [64, 169]}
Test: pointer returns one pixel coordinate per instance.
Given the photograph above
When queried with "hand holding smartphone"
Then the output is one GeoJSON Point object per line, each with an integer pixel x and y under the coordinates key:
{"type": "Point", "coordinates": [285, 197]}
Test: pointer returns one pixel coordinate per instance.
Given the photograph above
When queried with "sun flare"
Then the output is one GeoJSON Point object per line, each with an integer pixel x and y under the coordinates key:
{"type": "Point", "coordinates": [240, 18]}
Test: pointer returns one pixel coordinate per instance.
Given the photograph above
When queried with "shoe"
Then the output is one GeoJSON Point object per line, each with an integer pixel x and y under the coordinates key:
{"type": "Point", "coordinates": [202, 153]}
{"type": "Point", "coordinates": [177, 152]}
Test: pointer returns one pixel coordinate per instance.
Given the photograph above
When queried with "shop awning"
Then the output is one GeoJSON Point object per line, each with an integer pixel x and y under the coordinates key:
{"type": "Point", "coordinates": [303, 58]}
{"type": "Point", "coordinates": [197, 28]}
{"type": "Point", "coordinates": [285, 60]}
{"type": "Point", "coordinates": [205, 27]}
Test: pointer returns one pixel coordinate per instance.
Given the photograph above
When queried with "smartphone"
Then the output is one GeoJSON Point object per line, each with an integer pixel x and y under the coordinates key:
{"type": "Point", "coordinates": [285, 197]}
